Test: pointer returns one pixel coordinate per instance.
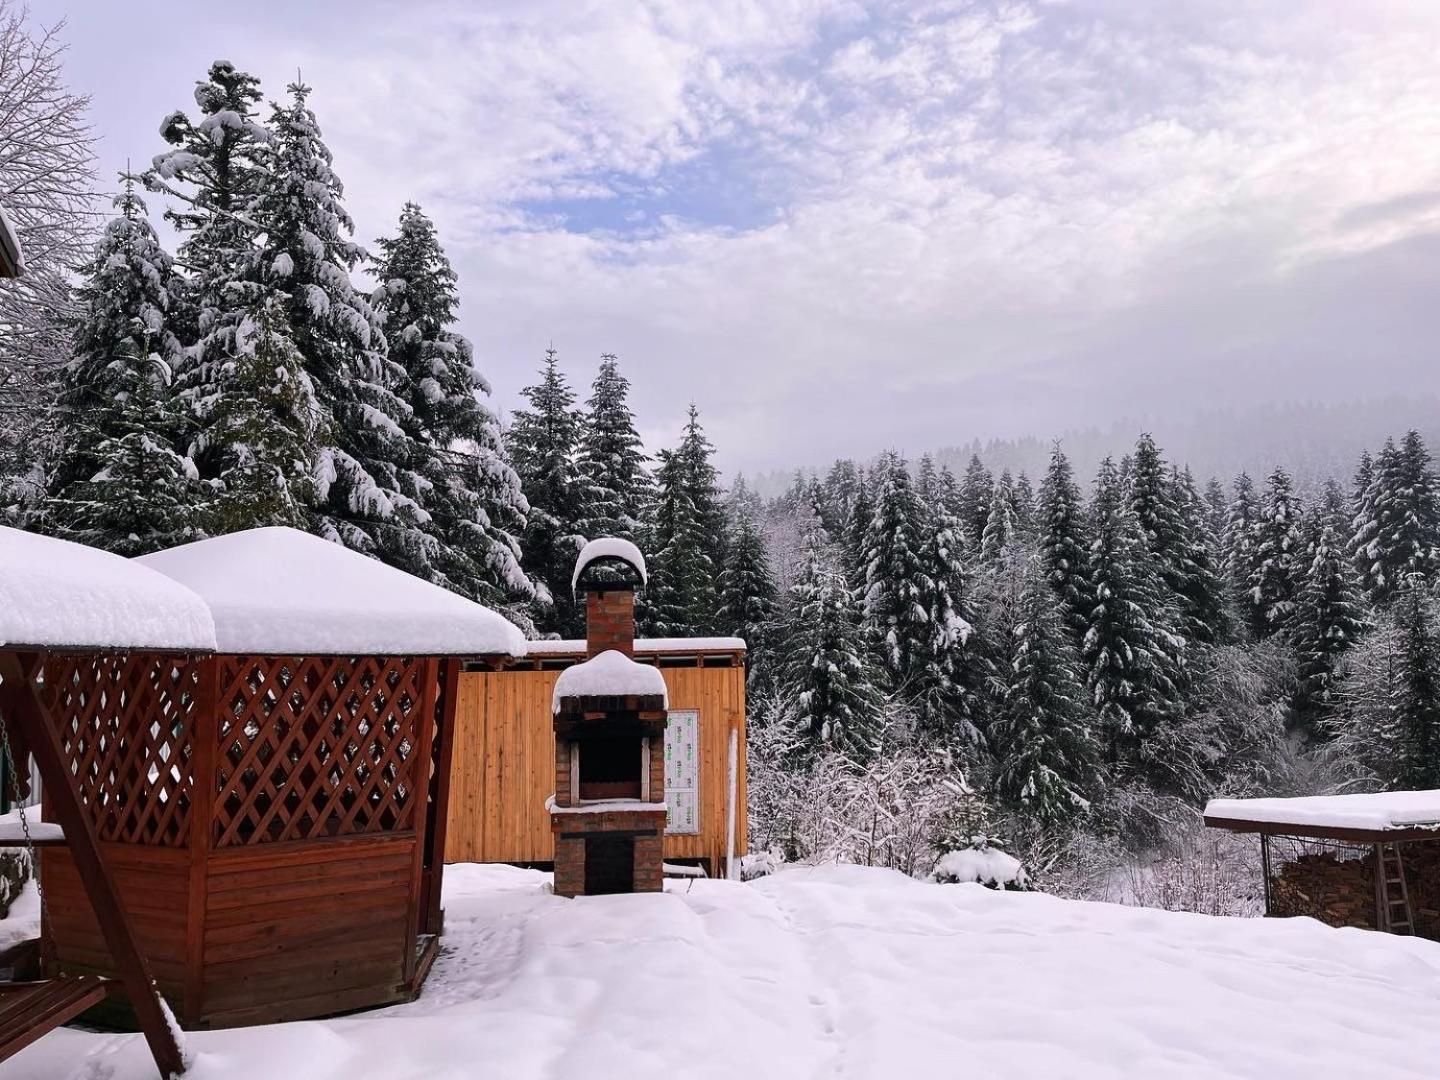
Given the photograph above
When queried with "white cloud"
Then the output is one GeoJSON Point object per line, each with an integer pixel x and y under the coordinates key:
{"type": "Point", "coordinates": [960, 205]}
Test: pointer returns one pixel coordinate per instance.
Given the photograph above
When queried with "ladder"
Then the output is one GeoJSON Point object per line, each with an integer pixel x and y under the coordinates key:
{"type": "Point", "coordinates": [1393, 899]}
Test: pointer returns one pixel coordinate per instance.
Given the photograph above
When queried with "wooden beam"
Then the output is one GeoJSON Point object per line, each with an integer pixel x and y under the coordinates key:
{"type": "Point", "coordinates": [1321, 832]}
{"type": "Point", "coordinates": [24, 708]}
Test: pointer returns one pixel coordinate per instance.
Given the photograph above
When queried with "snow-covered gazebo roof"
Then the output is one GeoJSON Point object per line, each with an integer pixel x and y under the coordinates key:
{"type": "Point", "coordinates": [1388, 815]}
{"type": "Point", "coordinates": [59, 595]}
{"type": "Point", "coordinates": [281, 591]}
{"type": "Point", "coordinates": [12, 255]}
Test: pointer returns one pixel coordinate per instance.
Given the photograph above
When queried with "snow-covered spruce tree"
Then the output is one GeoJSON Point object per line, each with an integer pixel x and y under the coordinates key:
{"type": "Point", "coordinates": [542, 442]}
{"type": "Point", "coordinates": [369, 485]}
{"type": "Point", "coordinates": [1131, 657]}
{"type": "Point", "coordinates": [1277, 550]}
{"type": "Point", "coordinates": [1397, 531]}
{"type": "Point", "coordinates": [747, 599]}
{"type": "Point", "coordinates": [838, 494]}
{"type": "Point", "coordinates": [1416, 722]}
{"type": "Point", "coordinates": [826, 670]}
{"type": "Point", "coordinates": [977, 490]}
{"type": "Point", "coordinates": [1238, 541]}
{"type": "Point", "coordinates": [1201, 592]}
{"type": "Point", "coordinates": [895, 574]}
{"type": "Point", "coordinates": [611, 465]}
{"type": "Point", "coordinates": [217, 169]}
{"type": "Point", "coordinates": [1000, 530]}
{"type": "Point", "coordinates": [125, 302]}
{"type": "Point", "coordinates": [1175, 540]}
{"type": "Point", "coordinates": [475, 507]}
{"type": "Point", "coordinates": [260, 429]}
{"type": "Point", "coordinates": [1024, 505]}
{"type": "Point", "coordinates": [1329, 619]}
{"type": "Point", "coordinates": [1217, 512]}
{"type": "Point", "coordinates": [855, 547]}
{"type": "Point", "coordinates": [1047, 762]}
{"type": "Point", "coordinates": [947, 683]}
{"type": "Point", "coordinates": [694, 457]}
{"type": "Point", "coordinates": [1064, 545]}
{"type": "Point", "coordinates": [142, 498]}
{"type": "Point", "coordinates": [680, 599]}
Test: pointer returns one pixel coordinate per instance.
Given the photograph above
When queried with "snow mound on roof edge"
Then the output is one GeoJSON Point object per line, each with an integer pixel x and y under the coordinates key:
{"type": "Point", "coordinates": [611, 674]}
{"type": "Point", "coordinates": [278, 590]}
{"type": "Point", "coordinates": [609, 547]}
{"type": "Point", "coordinates": [65, 595]}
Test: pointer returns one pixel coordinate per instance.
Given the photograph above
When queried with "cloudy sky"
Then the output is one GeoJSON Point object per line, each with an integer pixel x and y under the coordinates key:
{"type": "Point", "coordinates": [850, 225]}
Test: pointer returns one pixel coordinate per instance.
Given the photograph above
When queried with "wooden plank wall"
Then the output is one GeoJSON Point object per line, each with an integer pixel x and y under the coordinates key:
{"type": "Point", "coordinates": [306, 929]}
{"type": "Point", "coordinates": [153, 884]}
{"type": "Point", "coordinates": [504, 764]}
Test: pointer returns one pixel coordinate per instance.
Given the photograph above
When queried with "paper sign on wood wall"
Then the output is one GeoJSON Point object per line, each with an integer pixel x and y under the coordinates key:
{"type": "Point", "coordinates": [682, 771]}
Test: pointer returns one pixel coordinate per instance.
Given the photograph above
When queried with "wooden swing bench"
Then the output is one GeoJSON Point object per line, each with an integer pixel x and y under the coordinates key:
{"type": "Point", "coordinates": [32, 1008]}
{"type": "Point", "coordinates": [61, 597]}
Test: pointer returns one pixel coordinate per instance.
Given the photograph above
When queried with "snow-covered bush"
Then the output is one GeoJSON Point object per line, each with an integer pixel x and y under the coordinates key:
{"type": "Point", "coordinates": [980, 862]}
{"type": "Point", "coordinates": [760, 864]}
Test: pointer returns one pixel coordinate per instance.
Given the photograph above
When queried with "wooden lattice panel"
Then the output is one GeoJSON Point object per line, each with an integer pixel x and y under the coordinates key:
{"type": "Point", "coordinates": [317, 746]}
{"type": "Point", "coordinates": [126, 725]}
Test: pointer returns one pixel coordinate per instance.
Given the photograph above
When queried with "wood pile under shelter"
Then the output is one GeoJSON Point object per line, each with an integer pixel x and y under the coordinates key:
{"type": "Point", "coordinates": [275, 810]}
{"type": "Point", "coordinates": [1367, 861]}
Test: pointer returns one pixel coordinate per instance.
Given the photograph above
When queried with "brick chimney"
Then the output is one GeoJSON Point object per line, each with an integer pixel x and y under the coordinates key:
{"type": "Point", "coordinates": [610, 620]}
{"type": "Point", "coordinates": [608, 813]}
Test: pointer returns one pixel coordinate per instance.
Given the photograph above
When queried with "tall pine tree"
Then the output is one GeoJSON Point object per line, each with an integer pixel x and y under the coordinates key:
{"type": "Point", "coordinates": [1047, 763]}
{"type": "Point", "coordinates": [543, 441]}
{"type": "Point", "coordinates": [1064, 545]}
{"type": "Point", "coordinates": [1328, 621]}
{"type": "Point", "coordinates": [474, 507]}
{"type": "Point", "coordinates": [1132, 660]}
{"type": "Point", "coordinates": [1277, 551]}
{"type": "Point", "coordinates": [611, 459]}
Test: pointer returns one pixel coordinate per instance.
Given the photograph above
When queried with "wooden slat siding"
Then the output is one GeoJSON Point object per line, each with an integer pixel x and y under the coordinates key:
{"type": "Point", "coordinates": [153, 884]}
{"type": "Point", "coordinates": [504, 764]}
{"type": "Point", "coordinates": [307, 929]}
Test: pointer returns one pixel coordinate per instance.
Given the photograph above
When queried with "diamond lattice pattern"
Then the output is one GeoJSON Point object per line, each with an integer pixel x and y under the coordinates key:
{"type": "Point", "coordinates": [317, 746]}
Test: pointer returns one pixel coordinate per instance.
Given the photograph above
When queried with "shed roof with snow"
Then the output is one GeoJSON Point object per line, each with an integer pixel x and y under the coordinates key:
{"type": "Point", "coordinates": [1382, 816]}
{"type": "Point", "coordinates": [12, 255]}
{"type": "Point", "coordinates": [281, 591]}
{"type": "Point", "coordinates": [55, 594]}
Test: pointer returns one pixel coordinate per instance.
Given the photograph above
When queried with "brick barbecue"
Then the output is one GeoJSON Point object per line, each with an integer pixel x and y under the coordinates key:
{"type": "Point", "coordinates": [608, 810]}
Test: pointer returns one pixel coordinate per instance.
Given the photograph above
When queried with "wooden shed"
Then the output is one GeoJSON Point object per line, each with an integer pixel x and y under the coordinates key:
{"type": "Point", "coordinates": [274, 812]}
{"type": "Point", "coordinates": [504, 759]}
{"type": "Point", "coordinates": [1370, 861]}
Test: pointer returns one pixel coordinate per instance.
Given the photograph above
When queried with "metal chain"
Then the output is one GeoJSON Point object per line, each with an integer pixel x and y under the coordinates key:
{"type": "Point", "coordinates": [14, 767]}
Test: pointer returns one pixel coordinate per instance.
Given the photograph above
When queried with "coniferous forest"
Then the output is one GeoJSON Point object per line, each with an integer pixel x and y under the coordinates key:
{"type": "Point", "coordinates": [1067, 666]}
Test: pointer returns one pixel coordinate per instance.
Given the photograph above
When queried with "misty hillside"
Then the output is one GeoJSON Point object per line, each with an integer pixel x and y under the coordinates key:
{"type": "Point", "coordinates": [1313, 442]}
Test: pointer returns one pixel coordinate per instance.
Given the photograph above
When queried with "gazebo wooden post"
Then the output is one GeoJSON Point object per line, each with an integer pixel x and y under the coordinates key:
{"type": "Point", "coordinates": [204, 748]}
{"type": "Point", "coordinates": [28, 712]}
{"type": "Point", "coordinates": [437, 809]}
{"type": "Point", "coordinates": [421, 806]}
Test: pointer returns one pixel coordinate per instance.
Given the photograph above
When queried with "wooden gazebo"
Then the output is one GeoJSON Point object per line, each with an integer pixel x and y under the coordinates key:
{"type": "Point", "coordinates": [275, 810]}
{"type": "Point", "coordinates": [73, 615]}
{"type": "Point", "coordinates": [1363, 860]}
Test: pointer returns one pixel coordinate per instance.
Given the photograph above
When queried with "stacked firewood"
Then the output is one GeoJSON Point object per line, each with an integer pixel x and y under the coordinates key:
{"type": "Point", "coordinates": [1338, 892]}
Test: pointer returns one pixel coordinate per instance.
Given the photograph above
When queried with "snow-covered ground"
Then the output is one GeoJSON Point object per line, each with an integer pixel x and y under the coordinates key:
{"type": "Point", "coordinates": [844, 972]}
